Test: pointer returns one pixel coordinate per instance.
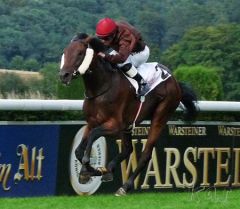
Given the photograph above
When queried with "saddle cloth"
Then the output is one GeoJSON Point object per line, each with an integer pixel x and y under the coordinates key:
{"type": "Point", "coordinates": [153, 73]}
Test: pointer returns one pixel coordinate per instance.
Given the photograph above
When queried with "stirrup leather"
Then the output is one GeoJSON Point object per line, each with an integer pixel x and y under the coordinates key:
{"type": "Point", "coordinates": [143, 88]}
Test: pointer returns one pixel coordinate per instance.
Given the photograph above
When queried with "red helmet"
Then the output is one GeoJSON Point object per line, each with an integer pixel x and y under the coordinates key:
{"type": "Point", "coordinates": [105, 27]}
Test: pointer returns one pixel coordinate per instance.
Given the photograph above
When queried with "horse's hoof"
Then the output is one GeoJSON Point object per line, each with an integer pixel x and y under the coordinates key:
{"type": "Point", "coordinates": [120, 192]}
{"type": "Point", "coordinates": [107, 177]}
{"type": "Point", "coordinates": [83, 179]}
{"type": "Point", "coordinates": [101, 171]}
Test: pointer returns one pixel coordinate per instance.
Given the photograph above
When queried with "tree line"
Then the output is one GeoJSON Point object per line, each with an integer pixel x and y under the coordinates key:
{"type": "Point", "coordinates": [182, 34]}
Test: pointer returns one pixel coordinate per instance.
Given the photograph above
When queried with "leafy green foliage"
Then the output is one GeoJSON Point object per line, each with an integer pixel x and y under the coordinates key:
{"type": "Point", "coordinates": [17, 63]}
{"type": "Point", "coordinates": [212, 46]}
{"type": "Point", "coordinates": [41, 29]}
{"type": "Point", "coordinates": [48, 85]}
{"type": "Point", "coordinates": [205, 81]}
{"type": "Point", "coordinates": [74, 91]}
{"type": "Point", "coordinates": [17, 84]}
{"type": "Point", "coordinates": [12, 83]}
{"type": "Point", "coordinates": [38, 31]}
{"type": "Point", "coordinates": [31, 64]}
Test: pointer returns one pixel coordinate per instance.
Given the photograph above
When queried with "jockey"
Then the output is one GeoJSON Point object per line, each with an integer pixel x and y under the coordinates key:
{"type": "Point", "coordinates": [131, 51]}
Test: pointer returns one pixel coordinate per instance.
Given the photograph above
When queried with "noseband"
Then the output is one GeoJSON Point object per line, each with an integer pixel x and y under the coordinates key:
{"type": "Point", "coordinates": [86, 61]}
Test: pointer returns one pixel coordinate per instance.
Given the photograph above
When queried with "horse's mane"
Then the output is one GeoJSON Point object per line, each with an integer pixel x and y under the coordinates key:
{"type": "Point", "coordinates": [96, 44]}
{"type": "Point", "coordinates": [79, 36]}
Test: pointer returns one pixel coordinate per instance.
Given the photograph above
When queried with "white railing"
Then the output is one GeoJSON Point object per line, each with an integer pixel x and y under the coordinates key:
{"type": "Point", "coordinates": [63, 105]}
{"type": "Point", "coordinates": [40, 104]}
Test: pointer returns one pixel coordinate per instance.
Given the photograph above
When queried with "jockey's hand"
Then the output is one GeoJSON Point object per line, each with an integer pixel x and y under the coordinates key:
{"type": "Point", "coordinates": [101, 54]}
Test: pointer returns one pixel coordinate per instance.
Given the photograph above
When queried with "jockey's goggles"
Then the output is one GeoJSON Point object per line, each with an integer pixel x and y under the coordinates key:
{"type": "Point", "coordinates": [106, 38]}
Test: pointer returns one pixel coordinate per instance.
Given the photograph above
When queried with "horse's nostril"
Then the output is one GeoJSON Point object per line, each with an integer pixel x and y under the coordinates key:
{"type": "Point", "coordinates": [66, 75]}
{"type": "Point", "coordinates": [63, 76]}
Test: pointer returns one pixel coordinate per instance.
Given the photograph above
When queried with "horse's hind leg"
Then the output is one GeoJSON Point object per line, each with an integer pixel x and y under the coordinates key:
{"type": "Point", "coordinates": [159, 120]}
{"type": "Point", "coordinates": [125, 153]}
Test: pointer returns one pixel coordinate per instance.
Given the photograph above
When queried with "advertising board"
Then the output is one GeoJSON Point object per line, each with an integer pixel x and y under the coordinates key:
{"type": "Point", "coordinates": [28, 159]}
{"type": "Point", "coordinates": [200, 155]}
{"type": "Point", "coordinates": [37, 158]}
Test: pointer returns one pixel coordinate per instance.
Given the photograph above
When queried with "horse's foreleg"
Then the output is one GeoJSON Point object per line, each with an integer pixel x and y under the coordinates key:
{"type": "Point", "coordinates": [126, 151]}
{"type": "Point", "coordinates": [79, 152]}
{"type": "Point", "coordinates": [93, 135]}
{"type": "Point", "coordinates": [108, 128]}
{"type": "Point", "coordinates": [83, 154]}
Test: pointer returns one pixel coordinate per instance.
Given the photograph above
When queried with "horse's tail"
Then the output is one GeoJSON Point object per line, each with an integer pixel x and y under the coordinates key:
{"type": "Point", "coordinates": [189, 99]}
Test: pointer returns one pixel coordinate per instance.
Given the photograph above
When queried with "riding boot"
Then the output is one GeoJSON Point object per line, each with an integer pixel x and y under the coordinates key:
{"type": "Point", "coordinates": [132, 72]}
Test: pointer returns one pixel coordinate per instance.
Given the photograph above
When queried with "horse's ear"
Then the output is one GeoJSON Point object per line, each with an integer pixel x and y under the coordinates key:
{"type": "Point", "coordinates": [97, 45]}
{"type": "Point", "coordinates": [79, 36]}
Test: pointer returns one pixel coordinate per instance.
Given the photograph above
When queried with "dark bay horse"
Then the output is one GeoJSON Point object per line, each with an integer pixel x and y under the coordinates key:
{"type": "Point", "coordinates": [111, 106]}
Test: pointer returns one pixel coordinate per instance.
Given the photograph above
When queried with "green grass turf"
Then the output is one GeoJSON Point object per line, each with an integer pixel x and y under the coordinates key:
{"type": "Point", "coordinates": [187, 200]}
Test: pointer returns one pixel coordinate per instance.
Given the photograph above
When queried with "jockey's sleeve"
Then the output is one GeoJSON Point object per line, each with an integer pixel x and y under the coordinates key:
{"type": "Point", "coordinates": [126, 44]}
{"type": "Point", "coordinates": [120, 57]}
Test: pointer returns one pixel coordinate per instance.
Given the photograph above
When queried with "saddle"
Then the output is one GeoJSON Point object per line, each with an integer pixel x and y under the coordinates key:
{"type": "Point", "coordinates": [153, 73]}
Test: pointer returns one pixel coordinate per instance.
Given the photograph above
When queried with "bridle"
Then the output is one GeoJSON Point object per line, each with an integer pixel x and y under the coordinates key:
{"type": "Point", "coordinates": [84, 66]}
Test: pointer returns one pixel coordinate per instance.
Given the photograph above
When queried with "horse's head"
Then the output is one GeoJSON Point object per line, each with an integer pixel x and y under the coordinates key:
{"type": "Point", "coordinates": [79, 55]}
{"type": "Point", "coordinates": [76, 58]}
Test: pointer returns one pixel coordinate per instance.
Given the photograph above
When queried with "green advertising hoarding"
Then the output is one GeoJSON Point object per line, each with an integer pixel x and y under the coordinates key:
{"type": "Point", "coordinates": [187, 156]}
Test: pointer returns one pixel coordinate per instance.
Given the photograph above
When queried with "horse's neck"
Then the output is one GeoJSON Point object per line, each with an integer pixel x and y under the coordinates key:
{"type": "Point", "coordinates": [98, 79]}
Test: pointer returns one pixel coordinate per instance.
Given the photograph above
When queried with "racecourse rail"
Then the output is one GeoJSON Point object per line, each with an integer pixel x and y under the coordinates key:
{"type": "Point", "coordinates": [66, 105]}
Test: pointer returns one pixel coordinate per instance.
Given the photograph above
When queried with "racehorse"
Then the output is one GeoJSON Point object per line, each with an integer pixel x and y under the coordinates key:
{"type": "Point", "coordinates": [111, 106]}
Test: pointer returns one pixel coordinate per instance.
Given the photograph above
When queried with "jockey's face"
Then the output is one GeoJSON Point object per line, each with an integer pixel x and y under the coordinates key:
{"type": "Point", "coordinates": [107, 40]}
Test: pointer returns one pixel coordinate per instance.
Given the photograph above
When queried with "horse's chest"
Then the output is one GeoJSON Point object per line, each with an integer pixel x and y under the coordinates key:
{"type": "Point", "coordinates": [96, 113]}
